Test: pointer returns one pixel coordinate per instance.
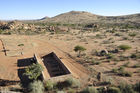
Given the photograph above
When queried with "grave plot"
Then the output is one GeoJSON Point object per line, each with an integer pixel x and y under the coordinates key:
{"type": "Point", "coordinates": [16, 46]}
{"type": "Point", "coordinates": [54, 65]}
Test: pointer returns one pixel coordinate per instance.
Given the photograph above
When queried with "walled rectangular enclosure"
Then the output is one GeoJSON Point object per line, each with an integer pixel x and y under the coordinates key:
{"type": "Point", "coordinates": [54, 65]}
{"type": "Point", "coordinates": [54, 69]}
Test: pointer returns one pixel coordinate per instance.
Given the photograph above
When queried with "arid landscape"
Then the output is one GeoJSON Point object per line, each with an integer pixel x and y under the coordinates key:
{"type": "Point", "coordinates": [99, 51]}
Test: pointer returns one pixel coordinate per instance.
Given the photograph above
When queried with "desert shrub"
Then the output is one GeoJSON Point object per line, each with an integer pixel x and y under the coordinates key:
{"type": "Point", "coordinates": [114, 70]}
{"type": "Point", "coordinates": [132, 35]}
{"type": "Point", "coordinates": [71, 91]}
{"type": "Point", "coordinates": [112, 31]}
{"type": "Point", "coordinates": [1, 31]}
{"type": "Point", "coordinates": [118, 34]}
{"type": "Point", "coordinates": [20, 44]}
{"type": "Point", "coordinates": [60, 92]}
{"type": "Point", "coordinates": [113, 90]}
{"type": "Point", "coordinates": [136, 66]}
{"type": "Point", "coordinates": [95, 41]}
{"type": "Point", "coordinates": [106, 42]}
{"type": "Point", "coordinates": [105, 82]}
{"type": "Point", "coordinates": [33, 71]}
{"type": "Point", "coordinates": [124, 47]}
{"type": "Point", "coordinates": [133, 56]}
{"type": "Point", "coordinates": [69, 81]}
{"type": "Point", "coordinates": [125, 73]}
{"type": "Point", "coordinates": [72, 82]}
{"type": "Point", "coordinates": [7, 33]}
{"type": "Point", "coordinates": [95, 62]}
{"type": "Point", "coordinates": [121, 68]}
{"type": "Point", "coordinates": [125, 38]}
{"type": "Point", "coordinates": [109, 56]}
{"type": "Point", "coordinates": [36, 87]}
{"type": "Point", "coordinates": [137, 87]}
{"type": "Point", "coordinates": [90, 90]}
{"type": "Point", "coordinates": [138, 71]}
{"type": "Point", "coordinates": [120, 71]}
{"type": "Point", "coordinates": [79, 49]}
{"type": "Point", "coordinates": [98, 35]}
{"type": "Point", "coordinates": [87, 58]}
{"type": "Point", "coordinates": [48, 85]}
{"type": "Point", "coordinates": [101, 90]}
{"type": "Point", "coordinates": [121, 58]}
{"type": "Point", "coordinates": [126, 64]}
{"type": "Point", "coordinates": [125, 88]}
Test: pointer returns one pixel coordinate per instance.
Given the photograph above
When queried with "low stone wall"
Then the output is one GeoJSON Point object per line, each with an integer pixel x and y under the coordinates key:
{"type": "Point", "coordinates": [60, 78]}
{"type": "Point", "coordinates": [45, 74]}
{"type": "Point", "coordinates": [63, 66]}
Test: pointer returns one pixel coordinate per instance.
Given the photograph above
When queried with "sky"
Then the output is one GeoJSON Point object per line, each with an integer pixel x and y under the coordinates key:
{"type": "Point", "coordinates": [36, 9]}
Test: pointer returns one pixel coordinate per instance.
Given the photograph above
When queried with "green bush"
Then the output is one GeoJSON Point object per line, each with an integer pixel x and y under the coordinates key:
{"type": "Point", "coordinates": [95, 63]}
{"type": "Point", "coordinates": [124, 47]}
{"type": "Point", "coordinates": [79, 49]}
{"type": "Point", "coordinates": [33, 71]}
{"type": "Point", "coordinates": [126, 64]}
{"type": "Point", "coordinates": [48, 85]}
{"type": "Point", "coordinates": [132, 35]}
{"type": "Point", "coordinates": [60, 92]}
{"type": "Point", "coordinates": [125, 73]}
{"type": "Point", "coordinates": [1, 31]}
{"type": "Point", "coordinates": [125, 88]}
{"type": "Point", "coordinates": [121, 68]}
{"type": "Point", "coordinates": [110, 56]}
{"type": "Point", "coordinates": [122, 72]}
{"type": "Point", "coordinates": [71, 91]}
{"type": "Point", "coordinates": [133, 56]}
{"type": "Point", "coordinates": [36, 87]}
{"type": "Point", "coordinates": [20, 44]}
{"type": "Point", "coordinates": [114, 70]}
{"type": "Point", "coordinates": [113, 90]}
{"type": "Point", "coordinates": [136, 66]}
{"type": "Point", "coordinates": [72, 82]}
{"type": "Point", "coordinates": [90, 90]}
{"type": "Point", "coordinates": [137, 87]}
{"type": "Point", "coordinates": [101, 90]}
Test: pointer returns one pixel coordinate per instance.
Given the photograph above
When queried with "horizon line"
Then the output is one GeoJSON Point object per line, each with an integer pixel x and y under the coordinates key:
{"type": "Point", "coordinates": [26, 19]}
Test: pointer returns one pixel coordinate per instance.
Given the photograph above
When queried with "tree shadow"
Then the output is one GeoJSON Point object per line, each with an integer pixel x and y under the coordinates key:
{"type": "Point", "coordinates": [4, 82]}
{"type": "Point", "coordinates": [24, 80]}
{"type": "Point", "coordinates": [25, 62]}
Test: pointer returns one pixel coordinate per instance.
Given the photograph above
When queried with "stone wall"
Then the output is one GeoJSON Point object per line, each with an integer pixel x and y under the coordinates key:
{"type": "Point", "coordinates": [45, 74]}
{"type": "Point", "coordinates": [63, 66]}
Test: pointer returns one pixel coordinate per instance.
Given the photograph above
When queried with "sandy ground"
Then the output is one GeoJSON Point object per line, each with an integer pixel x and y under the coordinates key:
{"type": "Point", "coordinates": [63, 44]}
{"type": "Point", "coordinates": [9, 67]}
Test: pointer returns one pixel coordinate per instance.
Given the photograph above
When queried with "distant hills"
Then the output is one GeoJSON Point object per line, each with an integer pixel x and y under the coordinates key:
{"type": "Point", "coordinates": [74, 17]}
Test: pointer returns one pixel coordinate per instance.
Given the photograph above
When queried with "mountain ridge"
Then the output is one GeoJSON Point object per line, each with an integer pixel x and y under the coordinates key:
{"type": "Point", "coordinates": [87, 17]}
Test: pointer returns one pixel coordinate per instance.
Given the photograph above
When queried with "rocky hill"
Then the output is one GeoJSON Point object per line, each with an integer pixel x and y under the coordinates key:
{"type": "Point", "coordinates": [86, 17]}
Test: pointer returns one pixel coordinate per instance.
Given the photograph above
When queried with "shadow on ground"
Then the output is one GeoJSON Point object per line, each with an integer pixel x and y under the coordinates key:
{"type": "Point", "coordinates": [4, 82]}
{"type": "Point", "coordinates": [23, 63]}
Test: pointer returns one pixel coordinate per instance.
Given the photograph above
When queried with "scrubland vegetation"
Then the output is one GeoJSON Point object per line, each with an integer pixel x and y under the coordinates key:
{"type": "Point", "coordinates": [109, 51]}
